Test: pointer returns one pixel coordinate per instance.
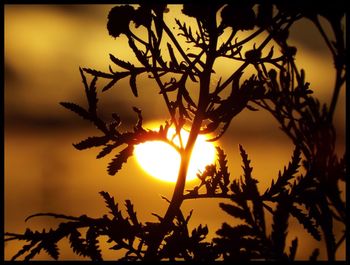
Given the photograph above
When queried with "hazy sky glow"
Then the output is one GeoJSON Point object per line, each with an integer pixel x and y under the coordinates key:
{"type": "Point", "coordinates": [44, 47]}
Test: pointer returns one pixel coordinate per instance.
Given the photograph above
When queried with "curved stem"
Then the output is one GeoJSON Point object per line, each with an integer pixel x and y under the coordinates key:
{"type": "Point", "coordinates": [177, 198]}
{"type": "Point", "coordinates": [324, 36]}
{"type": "Point", "coordinates": [339, 80]}
{"type": "Point", "coordinates": [138, 39]}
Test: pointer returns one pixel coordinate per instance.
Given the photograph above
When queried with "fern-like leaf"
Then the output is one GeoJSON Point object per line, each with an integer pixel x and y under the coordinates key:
{"type": "Point", "coordinates": [234, 210]}
{"type": "Point", "coordinates": [250, 188]}
{"type": "Point", "coordinates": [92, 244]}
{"type": "Point", "coordinates": [94, 141]}
{"type": "Point", "coordinates": [223, 171]}
{"type": "Point", "coordinates": [78, 110]}
{"type": "Point", "coordinates": [121, 63]}
{"type": "Point", "coordinates": [51, 248]}
{"type": "Point", "coordinates": [131, 212]}
{"type": "Point", "coordinates": [24, 249]}
{"type": "Point", "coordinates": [110, 203]}
{"type": "Point", "coordinates": [98, 73]}
{"type": "Point", "coordinates": [279, 227]}
{"type": "Point", "coordinates": [106, 150]}
{"type": "Point", "coordinates": [283, 179]}
{"type": "Point", "coordinates": [306, 222]}
{"type": "Point", "coordinates": [77, 243]}
{"type": "Point", "coordinates": [35, 251]}
{"type": "Point", "coordinates": [92, 96]}
{"type": "Point", "coordinates": [246, 168]}
{"type": "Point", "coordinates": [116, 164]}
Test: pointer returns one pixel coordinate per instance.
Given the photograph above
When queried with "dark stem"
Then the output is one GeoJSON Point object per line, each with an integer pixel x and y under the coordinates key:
{"type": "Point", "coordinates": [327, 228]}
{"type": "Point", "coordinates": [324, 36]}
{"type": "Point", "coordinates": [339, 80]}
{"type": "Point", "coordinates": [177, 198]}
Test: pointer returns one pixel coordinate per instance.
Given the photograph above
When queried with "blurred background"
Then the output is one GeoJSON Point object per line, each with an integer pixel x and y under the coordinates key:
{"type": "Point", "coordinates": [44, 47]}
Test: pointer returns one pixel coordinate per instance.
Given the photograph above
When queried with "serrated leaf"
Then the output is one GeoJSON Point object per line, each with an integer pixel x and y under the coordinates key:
{"type": "Point", "coordinates": [288, 174]}
{"type": "Point", "coordinates": [116, 78]}
{"type": "Point", "coordinates": [33, 252]}
{"type": "Point", "coordinates": [23, 250]}
{"type": "Point", "coordinates": [133, 84]}
{"type": "Point", "coordinates": [116, 164]}
{"type": "Point", "coordinates": [106, 150]}
{"type": "Point", "coordinates": [131, 212]}
{"type": "Point", "coordinates": [246, 165]}
{"type": "Point", "coordinates": [223, 169]}
{"type": "Point", "coordinates": [52, 249]}
{"type": "Point", "coordinates": [306, 222]}
{"type": "Point", "coordinates": [251, 190]}
{"type": "Point", "coordinates": [94, 141]}
{"type": "Point", "coordinates": [125, 65]}
{"type": "Point", "coordinates": [233, 210]}
{"type": "Point", "coordinates": [110, 203]}
{"type": "Point", "coordinates": [77, 109]}
{"type": "Point", "coordinates": [279, 226]}
{"type": "Point", "coordinates": [92, 96]}
{"type": "Point", "coordinates": [77, 243]}
{"type": "Point", "coordinates": [92, 244]}
{"type": "Point", "coordinates": [96, 73]}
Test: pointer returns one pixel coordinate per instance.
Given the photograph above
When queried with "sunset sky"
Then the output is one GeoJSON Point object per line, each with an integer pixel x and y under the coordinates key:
{"type": "Point", "coordinates": [44, 47]}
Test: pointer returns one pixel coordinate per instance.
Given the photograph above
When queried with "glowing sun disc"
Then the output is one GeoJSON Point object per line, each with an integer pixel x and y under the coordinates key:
{"type": "Point", "coordinates": [162, 161]}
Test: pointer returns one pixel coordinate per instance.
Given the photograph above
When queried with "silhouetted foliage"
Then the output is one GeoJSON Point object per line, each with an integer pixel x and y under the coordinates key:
{"type": "Point", "coordinates": [307, 189]}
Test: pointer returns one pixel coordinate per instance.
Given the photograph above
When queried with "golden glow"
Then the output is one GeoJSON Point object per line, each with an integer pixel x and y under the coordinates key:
{"type": "Point", "coordinates": [162, 161]}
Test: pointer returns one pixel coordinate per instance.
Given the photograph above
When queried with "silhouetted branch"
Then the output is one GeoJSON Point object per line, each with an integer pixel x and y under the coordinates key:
{"type": "Point", "coordinates": [308, 186]}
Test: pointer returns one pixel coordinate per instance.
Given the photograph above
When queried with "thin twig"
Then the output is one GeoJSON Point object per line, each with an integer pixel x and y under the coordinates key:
{"type": "Point", "coordinates": [63, 216]}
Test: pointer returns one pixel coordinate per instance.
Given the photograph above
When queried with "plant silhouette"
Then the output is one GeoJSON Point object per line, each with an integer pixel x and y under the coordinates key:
{"type": "Point", "coordinates": [306, 189]}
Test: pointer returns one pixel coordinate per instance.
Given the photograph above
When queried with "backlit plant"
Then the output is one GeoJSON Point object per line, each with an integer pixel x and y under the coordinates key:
{"type": "Point", "coordinates": [267, 78]}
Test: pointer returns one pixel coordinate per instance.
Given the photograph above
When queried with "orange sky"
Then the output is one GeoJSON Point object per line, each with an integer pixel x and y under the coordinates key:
{"type": "Point", "coordinates": [44, 46]}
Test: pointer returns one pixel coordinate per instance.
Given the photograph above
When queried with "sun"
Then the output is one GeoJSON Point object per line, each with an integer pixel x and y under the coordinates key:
{"type": "Point", "coordinates": [162, 161]}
